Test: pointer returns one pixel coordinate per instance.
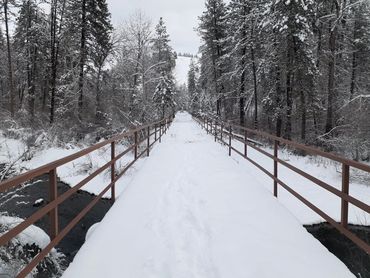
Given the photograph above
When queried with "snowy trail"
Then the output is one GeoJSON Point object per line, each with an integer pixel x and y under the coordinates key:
{"type": "Point", "coordinates": [191, 211]}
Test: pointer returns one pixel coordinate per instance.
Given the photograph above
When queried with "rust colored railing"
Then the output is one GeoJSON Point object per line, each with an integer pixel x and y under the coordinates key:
{"type": "Point", "coordinates": [157, 129]}
{"type": "Point", "coordinates": [223, 131]}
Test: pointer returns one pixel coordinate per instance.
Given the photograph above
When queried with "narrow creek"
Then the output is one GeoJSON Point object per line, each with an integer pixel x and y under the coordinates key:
{"type": "Point", "coordinates": [21, 203]}
{"type": "Point", "coordinates": [352, 256]}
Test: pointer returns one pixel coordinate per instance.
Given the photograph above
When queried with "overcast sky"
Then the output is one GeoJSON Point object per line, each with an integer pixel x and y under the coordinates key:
{"type": "Point", "coordinates": [181, 17]}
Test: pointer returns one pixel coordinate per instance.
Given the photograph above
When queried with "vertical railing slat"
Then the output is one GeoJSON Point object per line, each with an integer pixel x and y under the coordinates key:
{"type": "Point", "coordinates": [345, 190]}
{"type": "Point", "coordinates": [148, 142]}
{"type": "Point", "coordinates": [53, 195]}
{"type": "Point", "coordinates": [136, 146]}
{"type": "Point", "coordinates": [230, 138]}
{"type": "Point", "coordinates": [113, 171]}
{"type": "Point", "coordinates": [276, 154]}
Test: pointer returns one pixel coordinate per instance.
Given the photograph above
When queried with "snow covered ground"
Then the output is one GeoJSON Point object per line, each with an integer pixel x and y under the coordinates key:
{"type": "Point", "coordinates": [193, 212]}
{"type": "Point", "coordinates": [182, 69]}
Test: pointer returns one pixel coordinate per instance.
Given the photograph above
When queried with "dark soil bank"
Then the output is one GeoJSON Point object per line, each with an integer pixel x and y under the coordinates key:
{"type": "Point", "coordinates": [355, 259]}
{"type": "Point", "coordinates": [21, 203]}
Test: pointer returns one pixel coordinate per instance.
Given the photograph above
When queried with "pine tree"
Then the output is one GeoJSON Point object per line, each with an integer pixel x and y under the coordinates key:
{"type": "Point", "coordinates": [164, 95]}
{"type": "Point", "coordinates": [57, 14]}
{"type": "Point", "coordinates": [94, 30]}
{"type": "Point", "coordinates": [163, 53]}
{"type": "Point", "coordinates": [193, 87]}
{"type": "Point", "coordinates": [101, 45]}
{"type": "Point", "coordinates": [3, 71]}
{"type": "Point", "coordinates": [290, 21]}
{"type": "Point", "coordinates": [6, 4]}
{"type": "Point", "coordinates": [243, 16]}
{"type": "Point", "coordinates": [30, 42]}
{"type": "Point", "coordinates": [212, 30]}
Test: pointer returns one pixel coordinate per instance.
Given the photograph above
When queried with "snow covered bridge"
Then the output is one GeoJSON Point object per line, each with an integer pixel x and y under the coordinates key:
{"type": "Point", "coordinates": [191, 211]}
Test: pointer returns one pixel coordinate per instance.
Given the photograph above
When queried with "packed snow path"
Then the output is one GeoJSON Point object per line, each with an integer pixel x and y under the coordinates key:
{"type": "Point", "coordinates": [191, 211]}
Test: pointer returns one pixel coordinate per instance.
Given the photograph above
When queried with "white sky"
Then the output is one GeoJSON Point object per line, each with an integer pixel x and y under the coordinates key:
{"type": "Point", "coordinates": [181, 17]}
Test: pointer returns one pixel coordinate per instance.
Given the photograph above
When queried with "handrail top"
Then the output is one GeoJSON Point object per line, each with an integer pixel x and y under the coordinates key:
{"type": "Point", "coordinates": [309, 149]}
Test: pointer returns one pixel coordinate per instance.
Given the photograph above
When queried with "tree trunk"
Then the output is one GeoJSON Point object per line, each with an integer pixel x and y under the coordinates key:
{"type": "Point", "coordinates": [82, 58]}
{"type": "Point", "coordinates": [54, 57]}
{"type": "Point", "coordinates": [98, 97]}
{"type": "Point", "coordinates": [279, 121]}
{"type": "Point", "coordinates": [289, 91]}
{"type": "Point", "coordinates": [331, 80]}
{"type": "Point", "coordinates": [255, 86]}
{"type": "Point", "coordinates": [331, 70]}
{"type": "Point", "coordinates": [304, 116]}
{"type": "Point", "coordinates": [354, 62]}
{"type": "Point", "coordinates": [10, 64]}
{"type": "Point", "coordinates": [242, 89]}
{"type": "Point", "coordinates": [254, 72]}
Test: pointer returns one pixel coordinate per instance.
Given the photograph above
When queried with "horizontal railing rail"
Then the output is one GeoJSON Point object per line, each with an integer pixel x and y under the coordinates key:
{"type": "Point", "coordinates": [156, 129]}
{"type": "Point", "coordinates": [227, 131]}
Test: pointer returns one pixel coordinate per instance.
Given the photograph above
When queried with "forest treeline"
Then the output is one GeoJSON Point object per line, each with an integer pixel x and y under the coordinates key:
{"type": "Point", "coordinates": [67, 71]}
{"type": "Point", "coordinates": [299, 69]}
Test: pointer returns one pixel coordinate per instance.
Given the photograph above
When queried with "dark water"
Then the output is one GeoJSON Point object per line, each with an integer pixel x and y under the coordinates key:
{"type": "Point", "coordinates": [21, 203]}
{"type": "Point", "coordinates": [352, 256]}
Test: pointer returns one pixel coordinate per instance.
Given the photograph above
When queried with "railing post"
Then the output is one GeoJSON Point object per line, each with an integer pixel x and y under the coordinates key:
{"type": "Point", "coordinates": [222, 131]}
{"type": "Point", "coordinates": [215, 130]}
{"type": "Point", "coordinates": [113, 170]}
{"type": "Point", "coordinates": [148, 150]}
{"type": "Point", "coordinates": [230, 138]}
{"type": "Point", "coordinates": [53, 195]}
{"type": "Point", "coordinates": [136, 146]}
{"type": "Point", "coordinates": [160, 132]}
{"type": "Point", "coordinates": [345, 190]}
{"type": "Point", "coordinates": [155, 133]}
{"type": "Point", "coordinates": [276, 155]}
{"type": "Point", "coordinates": [246, 143]}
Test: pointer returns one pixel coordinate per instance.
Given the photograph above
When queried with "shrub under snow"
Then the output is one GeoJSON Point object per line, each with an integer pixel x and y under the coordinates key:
{"type": "Point", "coordinates": [19, 251]}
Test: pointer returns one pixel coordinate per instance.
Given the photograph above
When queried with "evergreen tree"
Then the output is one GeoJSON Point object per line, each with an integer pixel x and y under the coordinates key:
{"type": "Point", "coordinates": [243, 16]}
{"type": "Point", "coordinates": [193, 87]}
{"type": "Point", "coordinates": [3, 72]}
{"type": "Point", "coordinates": [164, 95]}
{"type": "Point", "coordinates": [101, 45]}
{"type": "Point", "coordinates": [212, 29]}
{"type": "Point", "coordinates": [94, 34]}
{"type": "Point", "coordinates": [163, 53]}
{"type": "Point", "coordinates": [30, 42]}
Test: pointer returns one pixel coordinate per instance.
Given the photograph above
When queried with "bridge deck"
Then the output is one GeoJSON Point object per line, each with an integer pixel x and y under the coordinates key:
{"type": "Point", "coordinates": [191, 211]}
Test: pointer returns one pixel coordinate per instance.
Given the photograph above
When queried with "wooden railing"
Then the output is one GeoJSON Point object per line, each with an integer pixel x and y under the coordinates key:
{"type": "Point", "coordinates": [140, 135]}
{"type": "Point", "coordinates": [223, 131]}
